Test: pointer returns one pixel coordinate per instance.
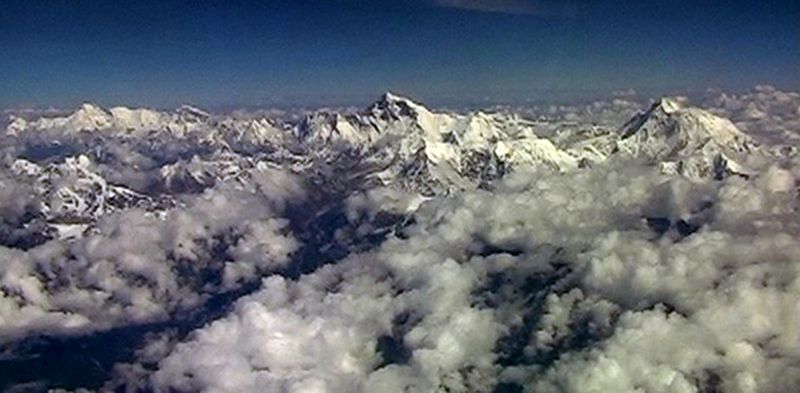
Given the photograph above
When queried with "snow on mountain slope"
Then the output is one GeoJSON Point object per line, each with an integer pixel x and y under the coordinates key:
{"type": "Point", "coordinates": [322, 133]}
{"type": "Point", "coordinates": [425, 150]}
{"type": "Point", "coordinates": [73, 192]}
{"type": "Point", "coordinates": [688, 141]}
{"type": "Point", "coordinates": [396, 140]}
{"type": "Point", "coordinates": [88, 117]}
{"type": "Point", "coordinates": [91, 118]}
{"type": "Point", "coordinates": [532, 152]}
{"type": "Point", "coordinates": [118, 121]}
{"type": "Point", "coordinates": [398, 111]}
{"type": "Point", "coordinates": [137, 119]}
{"type": "Point", "coordinates": [197, 174]}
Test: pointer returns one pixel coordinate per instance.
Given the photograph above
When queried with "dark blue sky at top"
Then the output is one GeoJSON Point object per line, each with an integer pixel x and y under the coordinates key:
{"type": "Point", "coordinates": [216, 53]}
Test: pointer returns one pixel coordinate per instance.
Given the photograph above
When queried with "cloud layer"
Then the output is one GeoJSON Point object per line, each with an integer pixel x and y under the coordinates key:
{"type": "Point", "coordinates": [552, 283]}
{"type": "Point", "coordinates": [610, 276]}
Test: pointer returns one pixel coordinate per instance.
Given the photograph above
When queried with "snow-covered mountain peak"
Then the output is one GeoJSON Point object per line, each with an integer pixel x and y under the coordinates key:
{"type": "Point", "coordinates": [391, 107]}
{"type": "Point", "coordinates": [400, 114]}
{"type": "Point", "coordinates": [395, 132]}
{"type": "Point", "coordinates": [688, 141]}
{"type": "Point", "coordinates": [137, 119]}
{"type": "Point", "coordinates": [91, 109]}
{"type": "Point", "coordinates": [89, 117]}
{"type": "Point", "coordinates": [668, 118]}
{"type": "Point", "coordinates": [667, 105]}
{"type": "Point", "coordinates": [391, 97]}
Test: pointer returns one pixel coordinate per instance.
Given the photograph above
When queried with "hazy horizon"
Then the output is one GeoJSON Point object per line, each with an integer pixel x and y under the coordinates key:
{"type": "Point", "coordinates": [531, 100]}
{"type": "Point", "coordinates": [347, 52]}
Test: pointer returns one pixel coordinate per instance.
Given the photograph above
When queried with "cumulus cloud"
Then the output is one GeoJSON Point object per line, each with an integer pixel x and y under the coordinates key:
{"type": "Point", "coordinates": [16, 198]}
{"type": "Point", "coordinates": [135, 266]}
{"type": "Point", "coordinates": [553, 283]}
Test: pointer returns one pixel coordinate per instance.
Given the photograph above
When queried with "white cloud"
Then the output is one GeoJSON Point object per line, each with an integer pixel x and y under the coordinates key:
{"type": "Point", "coordinates": [765, 112]}
{"type": "Point", "coordinates": [664, 314]}
{"type": "Point", "coordinates": [135, 266]}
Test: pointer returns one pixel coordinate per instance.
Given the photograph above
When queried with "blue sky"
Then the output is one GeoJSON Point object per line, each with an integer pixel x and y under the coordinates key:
{"type": "Point", "coordinates": [215, 53]}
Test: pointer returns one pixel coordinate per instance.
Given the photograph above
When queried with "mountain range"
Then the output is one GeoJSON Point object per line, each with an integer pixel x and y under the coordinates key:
{"type": "Point", "coordinates": [394, 142]}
